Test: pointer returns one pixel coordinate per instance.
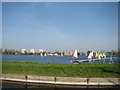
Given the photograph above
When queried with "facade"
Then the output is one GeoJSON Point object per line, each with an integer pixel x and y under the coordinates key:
{"type": "Point", "coordinates": [40, 50]}
{"type": "Point", "coordinates": [23, 51]}
{"type": "Point", "coordinates": [32, 50]}
{"type": "Point", "coordinates": [68, 52]}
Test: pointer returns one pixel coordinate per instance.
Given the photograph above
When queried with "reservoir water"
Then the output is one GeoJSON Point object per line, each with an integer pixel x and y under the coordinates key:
{"type": "Point", "coordinates": [52, 59]}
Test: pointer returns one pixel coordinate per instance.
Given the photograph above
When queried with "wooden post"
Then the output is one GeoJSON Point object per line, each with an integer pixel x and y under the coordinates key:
{"type": "Point", "coordinates": [88, 80]}
{"type": "Point", "coordinates": [26, 77]}
{"type": "Point", "coordinates": [55, 79]}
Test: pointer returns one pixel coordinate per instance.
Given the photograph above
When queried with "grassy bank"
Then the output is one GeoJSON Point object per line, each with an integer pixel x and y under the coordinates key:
{"type": "Point", "coordinates": [63, 70]}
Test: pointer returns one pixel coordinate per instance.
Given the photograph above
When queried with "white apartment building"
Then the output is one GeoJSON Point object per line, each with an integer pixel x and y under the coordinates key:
{"type": "Point", "coordinates": [32, 50]}
{"type": "Point", "coordinates": [23, 50]}
{"type": "Point", "coordinates": [40, 50]}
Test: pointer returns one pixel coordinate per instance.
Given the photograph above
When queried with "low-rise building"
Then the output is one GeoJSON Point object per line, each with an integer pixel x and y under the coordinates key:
{"type": "Point", "coordinates": [68, 52]}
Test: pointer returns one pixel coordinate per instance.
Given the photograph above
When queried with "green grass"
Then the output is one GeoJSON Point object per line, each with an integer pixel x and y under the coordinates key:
{"type": "Point", "coordinates": [62, 70]}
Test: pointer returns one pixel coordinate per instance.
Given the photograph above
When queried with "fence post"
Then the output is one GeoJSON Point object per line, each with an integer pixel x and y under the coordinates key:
{"type": "Point", "coordinates": [55, 79]}
{"type": "Point", "coordinates": [88, 80]}
{"type": "Point", "coordinates": [26, 77]}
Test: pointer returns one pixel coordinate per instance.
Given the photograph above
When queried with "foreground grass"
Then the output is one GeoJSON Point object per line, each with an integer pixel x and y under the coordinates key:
{"type": "Point", "coordinates": [62, 70]}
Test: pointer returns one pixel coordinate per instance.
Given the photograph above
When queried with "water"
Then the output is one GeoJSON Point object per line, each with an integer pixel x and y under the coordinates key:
{"type": "Point", "coordinates": [51, 59]}
{"type": "Point", "coordinates": [37, 58]}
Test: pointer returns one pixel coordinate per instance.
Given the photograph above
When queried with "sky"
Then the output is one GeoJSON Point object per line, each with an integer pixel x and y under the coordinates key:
{"type": "Point", "coordinates": [60, 26]}
{"type": "Point", "coordinates": [0, 25]}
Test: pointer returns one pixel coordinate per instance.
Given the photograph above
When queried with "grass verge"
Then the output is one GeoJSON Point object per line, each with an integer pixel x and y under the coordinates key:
{"type": "Point", "coordinates": [101, 70]}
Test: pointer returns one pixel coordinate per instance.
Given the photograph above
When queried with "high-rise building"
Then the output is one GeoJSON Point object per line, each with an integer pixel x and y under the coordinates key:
{"type": "Point", "coordinates": [40, 50]}
{"type": "Point", "coordinates": [32, 50]}
{"type": "Point", "coordinates": [23, 51]}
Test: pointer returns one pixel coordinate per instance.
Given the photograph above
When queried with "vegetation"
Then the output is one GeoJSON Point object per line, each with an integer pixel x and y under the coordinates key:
{"type": "Point", "coordinates": [63, 70]}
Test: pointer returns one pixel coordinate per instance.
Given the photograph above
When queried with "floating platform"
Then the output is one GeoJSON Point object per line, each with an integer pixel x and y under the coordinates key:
{"type": "Point", "coordinates": [89, 60]}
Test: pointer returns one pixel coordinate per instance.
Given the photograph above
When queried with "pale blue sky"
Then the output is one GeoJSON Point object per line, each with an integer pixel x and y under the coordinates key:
{"type": "Point", "coordinates": [60, 26]}
{"type": "Point", "coordinates": [0, 25]}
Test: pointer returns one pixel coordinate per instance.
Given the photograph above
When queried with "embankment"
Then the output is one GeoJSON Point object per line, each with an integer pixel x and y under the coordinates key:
{"type": "Point", "coordinates": [101, 70]}
{"type": "Point", "coordinates": [60, 80]}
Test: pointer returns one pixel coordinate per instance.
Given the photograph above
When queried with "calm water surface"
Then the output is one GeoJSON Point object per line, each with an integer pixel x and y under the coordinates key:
{"type": "Point", "coordinates": [50, 59]}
